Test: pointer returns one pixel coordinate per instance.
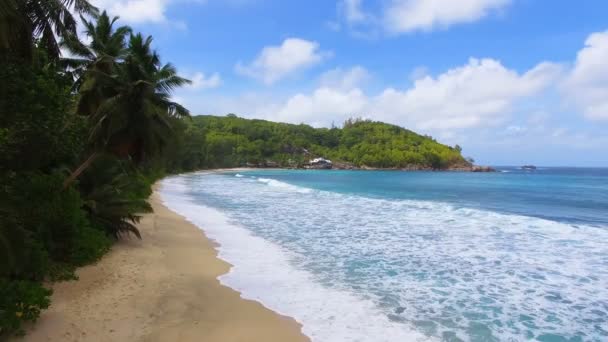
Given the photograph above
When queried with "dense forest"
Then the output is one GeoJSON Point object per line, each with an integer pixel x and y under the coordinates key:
{"type": "Point", "coordinates": [212, 141]}
{"type": "Point", "coordinates": [81, 141]}
{"type": "Point", "coordinates": [85, 134]}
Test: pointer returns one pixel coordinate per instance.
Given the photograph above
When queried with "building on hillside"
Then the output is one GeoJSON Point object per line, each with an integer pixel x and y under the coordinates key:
{"type": "Point", "coordinates": [319, 163]}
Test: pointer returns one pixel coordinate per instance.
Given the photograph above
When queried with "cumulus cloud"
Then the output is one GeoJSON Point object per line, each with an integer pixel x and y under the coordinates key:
{"type": "Point", "coordinates": [200, 81]}
{"type": "Point", "coordinates": [477, 94]}
{"type": "Point", "coordinates": [403, 16]}
{"type": "Point", "coordinates": [323, 106]}
{"type": "Point", "coordinates": [412, 15]}
{"type": "Point", "coordinates": [151, 11]}
{"type": "Point", "coordinates": [277, 62]}
{"type": "Point", "coordinates": [587, 83]}
{"type": "Point", "coordinates": [135, 11]}
{"type": "Point", "coordinates": [345, 79]}
{"type": "Point", "coordinates": [353, 11]}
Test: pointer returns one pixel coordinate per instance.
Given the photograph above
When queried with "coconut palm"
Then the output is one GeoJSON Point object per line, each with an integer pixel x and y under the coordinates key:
{"type": "Point", "coordinates": [22, 22]}
{"type": "Point", "coordinates": [95, 60]}
{"type": "Point", "coordinates": [133, 120]}
{"type": "Point", "coordinates": [111, 192]}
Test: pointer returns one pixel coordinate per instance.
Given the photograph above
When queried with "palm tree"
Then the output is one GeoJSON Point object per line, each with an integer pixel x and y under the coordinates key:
{"type": "Point", "coordinates": [111, 195]}
{"type": "Point", "coordinates": [132, 121]}
{"type": "Point", "coordinates": [23, 22]}
{"type": "Point", "coordinates": [96, 60]}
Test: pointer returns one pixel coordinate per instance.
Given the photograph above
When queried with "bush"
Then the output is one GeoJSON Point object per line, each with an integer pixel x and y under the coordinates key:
{"type": "Point", "coordinates": [20, 301]}
{"type": "Point", "coordinates": [54, 217]}
{"type": "Point", "coordinates": [88, 245]}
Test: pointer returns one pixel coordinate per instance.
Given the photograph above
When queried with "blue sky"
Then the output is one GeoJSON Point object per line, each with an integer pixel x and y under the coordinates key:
{"type": "Point", "coordinates": [511, 81]}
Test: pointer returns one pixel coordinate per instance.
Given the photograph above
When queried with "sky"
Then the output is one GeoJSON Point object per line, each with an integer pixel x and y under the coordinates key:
{"type": "Point", "coordinates": [511, 81]}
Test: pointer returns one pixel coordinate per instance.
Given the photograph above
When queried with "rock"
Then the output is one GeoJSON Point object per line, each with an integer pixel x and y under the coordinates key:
{"type": "Point", "coordinates": [477, 168]}
{"type": "Point", "coordinates": [344, 166]}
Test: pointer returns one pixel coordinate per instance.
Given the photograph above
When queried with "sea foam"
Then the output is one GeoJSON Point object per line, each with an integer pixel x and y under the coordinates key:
{"type": "Point", "coordinates": [352, 268]}
{"type": "Point", "coordinates": [261, 271]}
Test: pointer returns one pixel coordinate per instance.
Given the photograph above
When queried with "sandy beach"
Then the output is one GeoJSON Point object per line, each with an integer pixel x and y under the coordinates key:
{"type": "Point", "coordinates": [162, 288]}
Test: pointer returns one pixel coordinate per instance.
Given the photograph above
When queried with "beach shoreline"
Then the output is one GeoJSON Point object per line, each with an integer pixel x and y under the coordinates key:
{"type": "Point", "coordinates": [162, 288]}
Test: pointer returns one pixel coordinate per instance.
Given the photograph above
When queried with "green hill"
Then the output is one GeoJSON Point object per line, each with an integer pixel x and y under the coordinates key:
{"type": "Point", "coordinates": [230, 141]}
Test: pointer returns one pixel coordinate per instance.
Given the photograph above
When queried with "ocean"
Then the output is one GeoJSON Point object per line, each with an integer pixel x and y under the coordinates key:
{"type": "Point", "coordinates": [413, 256]}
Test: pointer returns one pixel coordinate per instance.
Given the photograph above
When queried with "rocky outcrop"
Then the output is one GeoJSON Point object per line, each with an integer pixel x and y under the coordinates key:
{"type": "Point", "coordinates": [477, 168]}
{"type": "Point", "coordinates": [340, 165]}
{"type": "Point", "coordinates": [344, 166]}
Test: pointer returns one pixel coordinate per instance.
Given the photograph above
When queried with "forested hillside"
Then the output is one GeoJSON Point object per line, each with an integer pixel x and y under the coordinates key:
{"type": "Point", "coordinates": [230, 141]}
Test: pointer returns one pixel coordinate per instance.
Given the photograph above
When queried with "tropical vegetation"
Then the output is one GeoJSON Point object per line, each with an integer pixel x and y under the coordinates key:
{"type": "Point", "coordinates": [79, 138]}
{"type": "Point", "coordinates": [230, 141]}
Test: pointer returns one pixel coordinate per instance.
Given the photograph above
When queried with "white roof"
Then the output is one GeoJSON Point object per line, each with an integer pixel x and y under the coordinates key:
{"type": "Point", "coordinates": [318, 160]}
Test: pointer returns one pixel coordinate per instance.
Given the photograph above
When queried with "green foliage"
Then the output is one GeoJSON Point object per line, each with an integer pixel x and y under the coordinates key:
{"type": "Point", "coordinates": [88, 245]}
{"type": "Point", "coordinates": [20, 301]}
{"type": "Point", "coordinates": [26, 22]}
{"type": "Point", "coordinates": [53, 222]}
{"type": "Point", "coordinates": [106, 113]}
{"type": "Point", "coordinates": [59, 271]}
{"type": "Point", "coordinates": [38, 131]}
{"type": "Point", "coordinates": [211, 141]}
{"type": "Point", "coordinates": [115, 194]}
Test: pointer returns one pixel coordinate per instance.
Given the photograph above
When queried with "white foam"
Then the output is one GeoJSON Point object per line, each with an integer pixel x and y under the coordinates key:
{"type": "Point", "coordinates": [441, 264]}
{"type": "Point", "coordinates": [261, 271]}
{"type": "Point", "coordinates": [238, 175]}
{"type": "Point", "coordinates": [283, 185]}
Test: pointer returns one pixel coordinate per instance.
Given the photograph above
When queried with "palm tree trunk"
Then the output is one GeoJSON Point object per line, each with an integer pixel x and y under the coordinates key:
{"type": "Point", "coordinates": [80, 169]}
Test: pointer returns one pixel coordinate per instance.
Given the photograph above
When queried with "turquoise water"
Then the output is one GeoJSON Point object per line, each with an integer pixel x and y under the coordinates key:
{"type": "Point", "coordinates": [395, 256]}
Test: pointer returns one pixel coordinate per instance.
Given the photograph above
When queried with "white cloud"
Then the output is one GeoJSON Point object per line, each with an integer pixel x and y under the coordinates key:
{"type": "Point", "coordinates": [419, 73]}
{"type": "Point", "coordinates": [477, 94]}
{"type": "Point", "coordinates": [200, 81]}
{"type": "Point", "coordinates": [411, 15]}
{"type": "Point", "coordinates": [151, 11]}
{"type": "Point", "coordinates": [353, 12]}
{"type": "Point", "coordinates": [403, 16]}
{"type": "Point", "coordinates": [135, 11]}
{"type": "Point", "coordinates": [587, 83]}
{"type": "Point", "coordinates": [344, 79]}
{"type": "Point", "coordinates": [323, 106]}
{"type": "Point", "coordinates": [277, 62]}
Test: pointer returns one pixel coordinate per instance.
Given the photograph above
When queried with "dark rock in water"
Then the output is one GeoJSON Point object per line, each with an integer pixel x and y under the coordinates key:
{"type": "Point", "coordinates": [399, 309]}
{"type": "Point", "coordinates": [482, 169]}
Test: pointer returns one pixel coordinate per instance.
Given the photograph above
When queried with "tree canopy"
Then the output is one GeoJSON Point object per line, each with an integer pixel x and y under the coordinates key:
{"type": "Point", "coordinates": [229, 141]}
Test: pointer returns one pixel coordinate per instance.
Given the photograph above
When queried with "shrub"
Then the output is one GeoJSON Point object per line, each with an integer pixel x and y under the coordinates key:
{"type": "Point", "coordinates": [88, 245]}
{"type": "Point", "coordinates": [20, 301]}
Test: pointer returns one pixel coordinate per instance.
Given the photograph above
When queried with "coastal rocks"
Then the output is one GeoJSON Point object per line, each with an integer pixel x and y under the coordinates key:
{"type": "Point", "coordinates": [319, 164]}
{"type": "Point", "coordinates": [416, 168]}
{"type": "Point", "coordinates": [344, 166]}
{"type": "Point", "coordinates": [326, 164]}
{"type": "Point", "coordinates": [471, 168]}
{"type": "Point", "coordinates": [477, 168]}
